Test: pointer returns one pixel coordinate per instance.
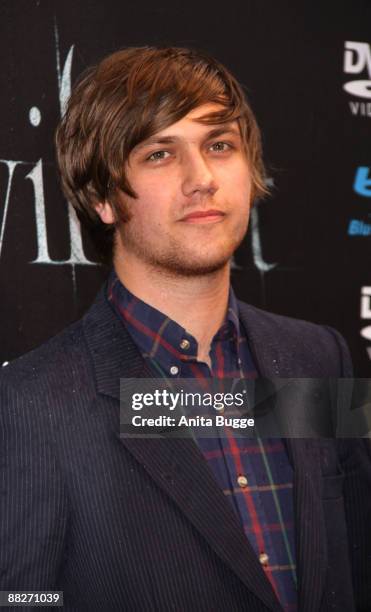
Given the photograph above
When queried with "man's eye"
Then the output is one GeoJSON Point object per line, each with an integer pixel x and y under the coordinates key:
{"type": "Point", "coordinates": [220, 147]}
{"type": "Point", "coordinates": [158, 155]}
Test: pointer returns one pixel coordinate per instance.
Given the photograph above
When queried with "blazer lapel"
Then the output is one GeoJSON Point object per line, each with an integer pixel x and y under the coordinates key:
{"type": "Point", "coordinates": [176, 464]}
{"type": "Point", "coordinates": [180, 470]}
{"type": "Point", "coordinates": [272, 358]}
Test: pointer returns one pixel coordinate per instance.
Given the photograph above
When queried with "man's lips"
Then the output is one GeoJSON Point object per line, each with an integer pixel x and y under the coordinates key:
{"type": "Point", "coordinates": [203, 216]}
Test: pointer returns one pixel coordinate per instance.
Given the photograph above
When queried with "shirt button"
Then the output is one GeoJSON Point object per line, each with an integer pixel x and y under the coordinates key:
{"type": "Point", "coordinates": [242, 481]}
{"type": "Point", "coordinates": [263, 558]}
{"type": "Point", "coordinates": [219, 407]}
{"type": "Point", "coordinates": [174, 370]}
{"type": "Point", "coordinates": [185, 344]}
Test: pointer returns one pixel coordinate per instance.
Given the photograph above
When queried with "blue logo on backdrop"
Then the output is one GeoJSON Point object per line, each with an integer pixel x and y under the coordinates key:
{"type": "Point", "coordinates": [357, 227]}
{"type": "Point", "coordinates": [362, 182]}
{"type": "Point", "coordinates": [362, 187]}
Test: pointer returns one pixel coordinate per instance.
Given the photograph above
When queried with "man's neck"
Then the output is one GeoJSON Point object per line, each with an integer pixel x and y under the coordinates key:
{"type": "Point", "coordinates": [198, 303]}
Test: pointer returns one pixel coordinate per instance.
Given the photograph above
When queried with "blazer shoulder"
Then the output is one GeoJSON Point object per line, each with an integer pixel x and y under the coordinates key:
{"type": "Point", "coordinates": [302, 340]}
{"type": "Point", "coordinates": [58, 361]}
{"type": "Point", "coordinates": [289, 325]}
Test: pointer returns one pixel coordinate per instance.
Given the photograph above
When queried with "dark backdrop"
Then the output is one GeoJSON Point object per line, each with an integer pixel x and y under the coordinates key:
{"type": "Point", "coordinates": [307, 253]}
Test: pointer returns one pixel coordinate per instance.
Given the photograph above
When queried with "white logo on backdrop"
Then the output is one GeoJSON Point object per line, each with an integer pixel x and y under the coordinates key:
{"type": "Point", "coordinates": [366, 315]}
{"type": "Point", "coordinates": [35, 175]}
{"type": "Point", "coordinates": [357, 61]}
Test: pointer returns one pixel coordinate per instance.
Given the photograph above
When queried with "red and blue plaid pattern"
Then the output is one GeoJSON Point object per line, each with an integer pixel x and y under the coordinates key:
{"type": "Point", "coordinates": [264, 501]}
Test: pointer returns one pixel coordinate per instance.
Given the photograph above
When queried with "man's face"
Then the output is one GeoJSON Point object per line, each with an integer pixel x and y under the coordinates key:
{"type": "Point", "coordinates": [194, 189]}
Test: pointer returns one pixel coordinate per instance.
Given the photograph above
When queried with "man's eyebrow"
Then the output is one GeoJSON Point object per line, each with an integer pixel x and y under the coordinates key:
{"type": "Point", "coordinates": [155, 140]}
{"type": "Point", "coordinates": [160, 140]}
{"type": "Point", "coordinates": [224, 129]}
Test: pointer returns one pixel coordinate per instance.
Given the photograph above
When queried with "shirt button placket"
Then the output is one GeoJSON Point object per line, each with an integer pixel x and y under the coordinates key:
{"type": "Point", "coordinates": [263, 558]}
{"type": "Point", "coordinates": [185, 344]}
{"type": "Point", "coordinates": [242, 481]}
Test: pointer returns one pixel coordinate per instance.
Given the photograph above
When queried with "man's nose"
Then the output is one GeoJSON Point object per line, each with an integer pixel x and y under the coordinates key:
{"type": "Point", "coordinates": [198, 176]}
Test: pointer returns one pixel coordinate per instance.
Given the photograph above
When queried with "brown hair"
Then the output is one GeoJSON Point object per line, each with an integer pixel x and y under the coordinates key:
{"type": "Point", "coordinates": [128, 97]}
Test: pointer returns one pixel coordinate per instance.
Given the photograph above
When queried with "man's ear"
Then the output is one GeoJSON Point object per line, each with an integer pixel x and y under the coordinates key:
{"type": "Point", "coordinates": [105, 211]}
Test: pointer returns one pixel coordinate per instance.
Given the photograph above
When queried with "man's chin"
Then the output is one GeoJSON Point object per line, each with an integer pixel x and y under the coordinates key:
{"type": "Point", "coordinates": [178, 260]}
{"type": "Point", "coordinates": [188, 268]}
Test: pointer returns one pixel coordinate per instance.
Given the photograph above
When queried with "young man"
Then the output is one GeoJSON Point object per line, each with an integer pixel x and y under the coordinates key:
{"type": "Point", "coordinates": [160, 151]}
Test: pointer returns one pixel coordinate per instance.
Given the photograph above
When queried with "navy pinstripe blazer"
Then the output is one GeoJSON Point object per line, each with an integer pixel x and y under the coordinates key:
{"type": "Point", "coordinates": [133, 524]}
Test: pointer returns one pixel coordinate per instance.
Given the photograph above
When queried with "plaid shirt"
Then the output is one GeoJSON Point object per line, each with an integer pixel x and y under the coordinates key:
{"type": "Point", "coordinates": [262, 498]}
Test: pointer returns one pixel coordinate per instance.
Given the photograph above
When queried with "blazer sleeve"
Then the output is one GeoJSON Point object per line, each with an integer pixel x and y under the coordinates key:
{"type": "Point", "coordinates": [355, 461]}
{"type": "Point", "coordinates": [345, 360]}
{"type": "Point", "coordinates": [33, 500]}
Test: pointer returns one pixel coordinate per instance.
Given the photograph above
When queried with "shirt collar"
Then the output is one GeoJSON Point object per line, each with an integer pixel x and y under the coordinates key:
{"type": "Point", "coordinates": [156, 335]}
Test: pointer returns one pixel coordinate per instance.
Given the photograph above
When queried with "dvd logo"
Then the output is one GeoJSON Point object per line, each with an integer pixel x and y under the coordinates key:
{"type": "Point", "coordinates": [366, 314]}
{"type": "Point", "coordinates": [357, 57]}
